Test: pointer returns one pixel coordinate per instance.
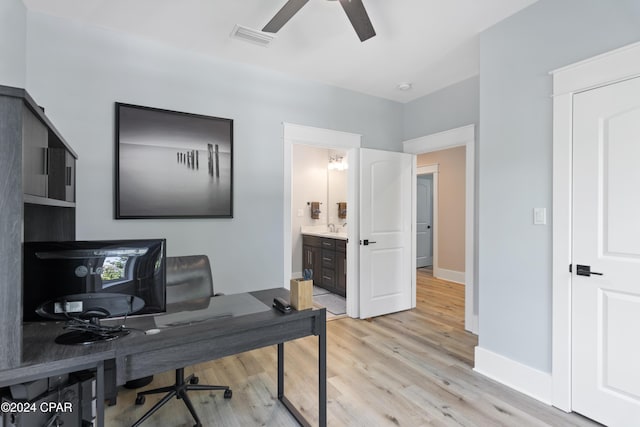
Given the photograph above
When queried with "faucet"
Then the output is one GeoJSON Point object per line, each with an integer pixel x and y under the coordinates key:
{"type": "Point", "coordinates": [332, 227]}
{"type": "Point", "coordinates": [344, 225]}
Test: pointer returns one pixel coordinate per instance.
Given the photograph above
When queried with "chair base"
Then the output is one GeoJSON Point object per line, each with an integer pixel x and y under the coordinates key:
{"type": "Point", "coordinates": [179, 391]}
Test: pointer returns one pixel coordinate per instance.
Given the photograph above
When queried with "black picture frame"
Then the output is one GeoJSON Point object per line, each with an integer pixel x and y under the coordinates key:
{"type": "Point", "coordinates": [170, 164]}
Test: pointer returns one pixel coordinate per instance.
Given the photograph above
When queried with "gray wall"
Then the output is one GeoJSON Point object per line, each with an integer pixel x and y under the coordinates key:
{"type": "Point", "coordinates": [13, 34]}
{"type": "Point", "coordinates": [77, 72]}
{"type": "Point", "coordinates": [515, 160]}
{"type": "Point", "coordinates": [454, 106]}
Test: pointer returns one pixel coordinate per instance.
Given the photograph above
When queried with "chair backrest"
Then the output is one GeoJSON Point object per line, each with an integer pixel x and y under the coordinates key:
{"type": "Point", "coordinates": [189, 279]}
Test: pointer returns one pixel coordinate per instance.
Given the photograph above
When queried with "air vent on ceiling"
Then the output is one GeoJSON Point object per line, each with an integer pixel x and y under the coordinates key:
{"type": "Point", "coordinates": [252, 36]}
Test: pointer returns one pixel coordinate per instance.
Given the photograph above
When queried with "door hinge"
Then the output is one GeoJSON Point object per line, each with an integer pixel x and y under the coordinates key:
{"type": "Point", "coordinates": [570, 268]}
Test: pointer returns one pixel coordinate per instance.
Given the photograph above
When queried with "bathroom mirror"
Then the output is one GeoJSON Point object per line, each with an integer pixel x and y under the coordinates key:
{"type": "Point", "coordinates": [336, 190]}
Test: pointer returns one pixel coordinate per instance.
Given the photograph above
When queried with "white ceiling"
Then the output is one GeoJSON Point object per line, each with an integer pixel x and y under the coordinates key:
{"type": "Point", "coordinates": [430, 43]}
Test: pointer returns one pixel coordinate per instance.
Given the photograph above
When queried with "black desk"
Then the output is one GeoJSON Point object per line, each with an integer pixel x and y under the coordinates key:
{"type": "Point", "coordinates": [138, 355]}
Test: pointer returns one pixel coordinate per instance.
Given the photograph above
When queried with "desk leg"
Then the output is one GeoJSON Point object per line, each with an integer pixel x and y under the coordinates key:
{"type": "Point", "coordinates": [280, 371]}
{"type": "Point", "coordinates": [322, 379]}
{"type": "Point", "coordinates": [281, 397]}
{"type": "Point", "coordinates": [322, 372]}
{"type": "Point", "coordinates": [100, 393]}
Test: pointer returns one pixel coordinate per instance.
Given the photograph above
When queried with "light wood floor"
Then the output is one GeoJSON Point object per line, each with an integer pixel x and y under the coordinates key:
{"type": "Point", "coordinates": [412, 368]}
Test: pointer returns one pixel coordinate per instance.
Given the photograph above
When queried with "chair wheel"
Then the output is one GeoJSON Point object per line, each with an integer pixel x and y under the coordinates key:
{"type": "Point", "coordinates": [140, 400]}
{"type": "Point", "coordinates": [194, 380]}
{"type": "Point", "coordinates": [228, 393]}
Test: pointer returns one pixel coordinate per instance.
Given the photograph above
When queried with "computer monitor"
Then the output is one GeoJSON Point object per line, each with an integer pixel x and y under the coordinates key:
{"type": "Point", "coordinates": [85, 281]}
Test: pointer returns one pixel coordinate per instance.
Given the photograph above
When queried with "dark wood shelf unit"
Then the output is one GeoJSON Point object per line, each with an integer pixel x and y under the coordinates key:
{"type": "Point", "coordinates": [37, 201]}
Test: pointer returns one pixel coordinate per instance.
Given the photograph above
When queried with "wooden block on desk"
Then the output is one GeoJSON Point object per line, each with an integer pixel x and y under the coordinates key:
{"type": "Point", "coordinates": [301, 294]}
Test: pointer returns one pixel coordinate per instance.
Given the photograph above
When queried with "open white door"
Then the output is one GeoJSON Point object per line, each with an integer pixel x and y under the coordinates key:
{"type": "Point", "coordinates": [386, 193]}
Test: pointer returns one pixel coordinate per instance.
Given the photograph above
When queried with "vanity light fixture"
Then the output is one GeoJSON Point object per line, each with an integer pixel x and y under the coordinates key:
{"type": "Point", "coordinates": [337, 163]}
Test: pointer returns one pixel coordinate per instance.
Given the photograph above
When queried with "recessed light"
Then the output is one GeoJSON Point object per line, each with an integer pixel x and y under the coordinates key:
{"type": "Point", "coordinates": [404, 86]}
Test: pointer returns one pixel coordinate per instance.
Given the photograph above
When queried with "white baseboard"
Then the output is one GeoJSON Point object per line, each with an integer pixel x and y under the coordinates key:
{"type": "Point", "coordinates": [522, 378]}
{"type": "Point", "coordinates": [450, 275]}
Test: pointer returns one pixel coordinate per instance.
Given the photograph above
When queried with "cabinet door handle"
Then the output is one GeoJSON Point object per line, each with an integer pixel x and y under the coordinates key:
{"type": "Point", "coordinates": [67, 176]}
{"type": "Point", "coordinates": [45, 160]}
{"type": "Point", "coordinates": [327, 259]}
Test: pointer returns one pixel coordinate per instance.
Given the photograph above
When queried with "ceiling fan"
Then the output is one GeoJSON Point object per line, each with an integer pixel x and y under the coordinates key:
{"type": "Point", "coordinates": [354, 9]}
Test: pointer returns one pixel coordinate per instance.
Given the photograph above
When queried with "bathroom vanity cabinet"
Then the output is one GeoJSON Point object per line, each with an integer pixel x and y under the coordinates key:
{"type": "Point", "coordinates": [327, 257]}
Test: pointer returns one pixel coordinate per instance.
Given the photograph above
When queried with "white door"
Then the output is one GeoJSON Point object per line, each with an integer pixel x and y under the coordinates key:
{"type": "Point", "coordinates": [386, 186]}
{"type": "Point", "coordinates": [424, 212]}
{"type": "Point", "coordinates": [606, 237]}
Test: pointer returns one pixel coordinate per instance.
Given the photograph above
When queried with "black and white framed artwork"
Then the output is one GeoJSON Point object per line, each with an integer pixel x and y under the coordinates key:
{"type": "Point", "coordinates": [172, 165]}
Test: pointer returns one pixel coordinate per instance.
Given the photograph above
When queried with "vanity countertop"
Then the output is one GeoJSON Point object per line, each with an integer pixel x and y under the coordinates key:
{"type": "Point", "coordinates": [328, 234]}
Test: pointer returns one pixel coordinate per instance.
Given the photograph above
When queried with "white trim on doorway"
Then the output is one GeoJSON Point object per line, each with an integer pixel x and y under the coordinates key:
{"type": "Point", "coordinates": [326, 138]}
{"type": "Point", "coordinates": [462, 136]}
{"type": "Point", "coordinates": [602, 70]}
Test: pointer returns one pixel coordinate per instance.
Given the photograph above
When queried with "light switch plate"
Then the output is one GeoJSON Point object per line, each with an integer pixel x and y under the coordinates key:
{"type": "Point", "coordinates": [539, 216]}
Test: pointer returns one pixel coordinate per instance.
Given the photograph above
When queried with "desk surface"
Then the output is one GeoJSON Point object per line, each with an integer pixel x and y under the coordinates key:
{"type": "Point", "coordinates": [139, 354]}
{"type": "Point", "coordinates": [43, 357]}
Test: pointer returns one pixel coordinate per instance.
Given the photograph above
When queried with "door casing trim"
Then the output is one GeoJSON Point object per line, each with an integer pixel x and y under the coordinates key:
{"type": "Point", "coordinates": [602, 70]}
{"type": "Point", "coordinates": [326, 138]}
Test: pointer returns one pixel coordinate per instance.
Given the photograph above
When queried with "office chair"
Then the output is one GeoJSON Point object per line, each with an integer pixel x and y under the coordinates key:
{"type": "Point", "coordinates": [189, 282]}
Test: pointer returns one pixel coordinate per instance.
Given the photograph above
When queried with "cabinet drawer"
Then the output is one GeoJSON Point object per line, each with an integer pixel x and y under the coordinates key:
{"type": "Point", "coordinates": [328, 277]}
{"type": "Point", "coordinates": [312, 241]}
{"type": "Point", "coordinates": [328, 243]}
{"type": "Point", "coordinates": [329, 259]}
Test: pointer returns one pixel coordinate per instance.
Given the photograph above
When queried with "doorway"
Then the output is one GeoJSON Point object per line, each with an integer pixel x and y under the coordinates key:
{"type": "Point", "coordinates": [424, 220]}
{"type": "Point", "coordinates": [458, 137]}
{"type": "Point", "coordinates": [332, 140]}
{"type": "Point", "coordinates": [429, 176]}
{"type": "Point", "coordinates": [319, 177]}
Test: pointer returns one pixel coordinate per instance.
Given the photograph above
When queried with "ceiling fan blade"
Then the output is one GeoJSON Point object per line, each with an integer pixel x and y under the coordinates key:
{"type": "Point", "coordinates": [282, 17]}
{"type": "Point", "coordinates": [357, 14]}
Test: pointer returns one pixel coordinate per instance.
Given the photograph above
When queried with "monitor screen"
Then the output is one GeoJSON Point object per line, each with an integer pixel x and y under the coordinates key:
{"type": "Point", "coordinates": [86, 279]}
